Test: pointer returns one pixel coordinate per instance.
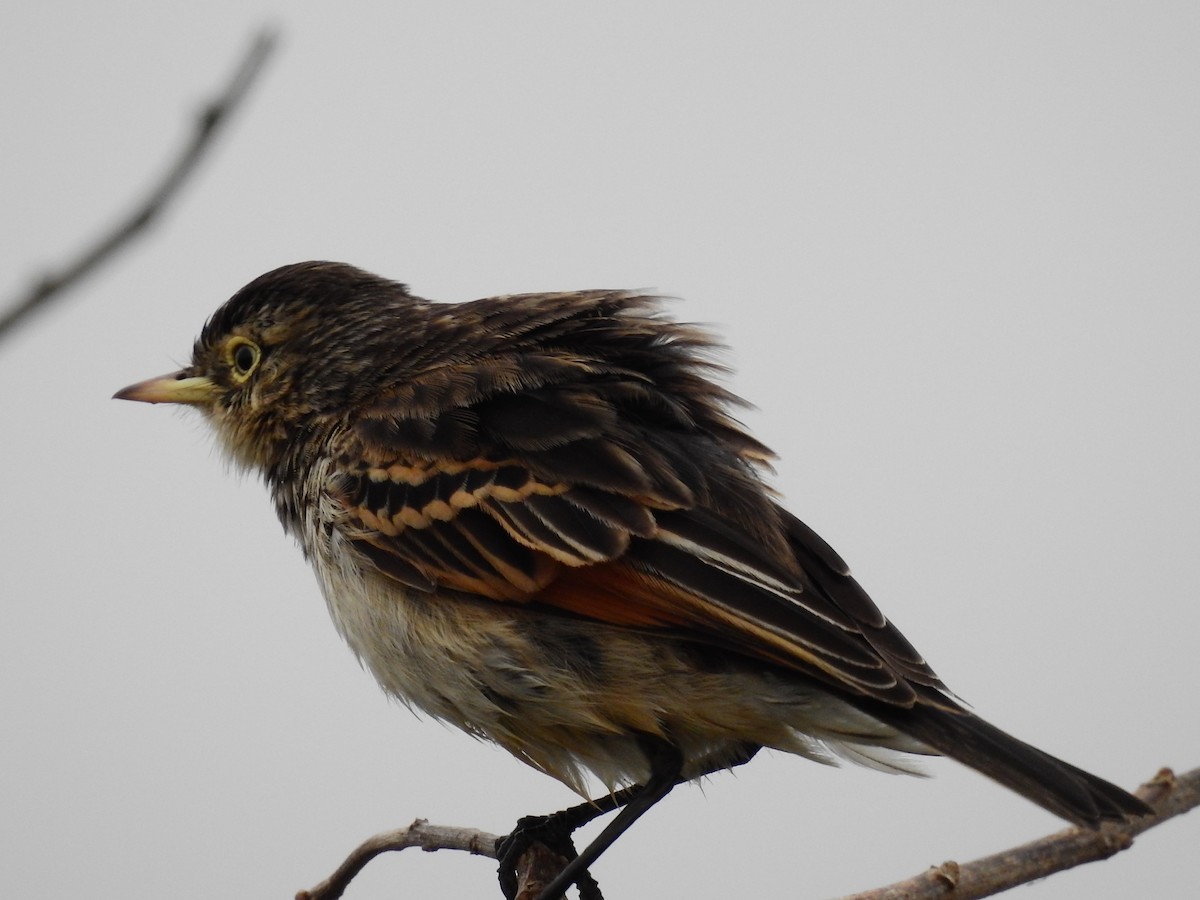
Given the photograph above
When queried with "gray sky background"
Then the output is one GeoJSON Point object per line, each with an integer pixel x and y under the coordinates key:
{"type": "Point", "coordinates": [952, 246]}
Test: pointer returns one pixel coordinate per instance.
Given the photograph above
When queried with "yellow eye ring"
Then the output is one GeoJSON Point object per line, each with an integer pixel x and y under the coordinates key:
{"type": "Point", "coordinates": [243, 356]}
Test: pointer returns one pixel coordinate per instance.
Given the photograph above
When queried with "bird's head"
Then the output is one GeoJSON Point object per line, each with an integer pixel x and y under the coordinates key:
{"type": "Point", "coordinates": [288, 354]}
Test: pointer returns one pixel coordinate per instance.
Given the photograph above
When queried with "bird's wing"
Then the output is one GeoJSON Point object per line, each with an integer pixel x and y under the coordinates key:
{"type": "Point", "coordinates": [555, 482]}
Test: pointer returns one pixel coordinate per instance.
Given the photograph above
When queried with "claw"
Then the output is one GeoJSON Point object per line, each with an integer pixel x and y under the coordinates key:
{"type": "Point", "coordinates": [546, 836]}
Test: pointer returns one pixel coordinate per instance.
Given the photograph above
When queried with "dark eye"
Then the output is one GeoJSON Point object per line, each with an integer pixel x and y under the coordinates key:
{"type": "Point", "coordinates": [243, 355]}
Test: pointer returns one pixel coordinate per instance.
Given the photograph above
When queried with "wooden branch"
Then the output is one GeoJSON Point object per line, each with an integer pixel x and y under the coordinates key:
{"type": "Point", "coordinates": [208, 124]}
{"type": "Point", "coordinates": [536, 868]}
{"type": "Point", "coordinates": [1169, 795]}
{"type": "Point", "coordinates": [419, 834]}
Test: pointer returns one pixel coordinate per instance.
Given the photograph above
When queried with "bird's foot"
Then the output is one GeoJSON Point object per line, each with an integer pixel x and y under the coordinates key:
{"type": "Point", "coordinates": [548, 840]}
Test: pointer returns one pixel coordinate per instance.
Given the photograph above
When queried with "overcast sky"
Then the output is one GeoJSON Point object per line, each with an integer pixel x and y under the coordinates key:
{"type": "Point", "coordinates": [953, 248]}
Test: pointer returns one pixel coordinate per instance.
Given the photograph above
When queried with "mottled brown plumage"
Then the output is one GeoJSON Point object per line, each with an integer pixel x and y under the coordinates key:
{"type": "Point", "coordinates": [534, 516]}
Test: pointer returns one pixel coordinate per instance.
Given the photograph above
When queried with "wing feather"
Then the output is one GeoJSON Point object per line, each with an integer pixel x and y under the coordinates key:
{"type": "Point", "coordinates": [524, 524]}
{"type": "Point", "coordinates": [590, 467]}
{"type": "Point", "coordinates": [614, 510]}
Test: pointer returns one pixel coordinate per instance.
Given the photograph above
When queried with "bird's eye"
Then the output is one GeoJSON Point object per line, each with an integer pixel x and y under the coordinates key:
{"type": "Point", "coordinates": [243, 355]}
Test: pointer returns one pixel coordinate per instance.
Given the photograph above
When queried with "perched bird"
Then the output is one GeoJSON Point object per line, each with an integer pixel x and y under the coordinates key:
{"type": "Point", "coordinates": [534, 517]}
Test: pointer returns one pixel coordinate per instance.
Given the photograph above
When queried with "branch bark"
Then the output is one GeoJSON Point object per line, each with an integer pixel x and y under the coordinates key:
{"type": "Point", "coordinates": [211, 119]}
{"type": "Point", "coordinates": [419, 834]}
{"type": "Point", "coordinates": [1168, 794]}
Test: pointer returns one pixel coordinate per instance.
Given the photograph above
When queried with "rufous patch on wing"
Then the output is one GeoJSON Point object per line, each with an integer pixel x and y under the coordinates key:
{"type": "Point", "coordinates": [614, 593]}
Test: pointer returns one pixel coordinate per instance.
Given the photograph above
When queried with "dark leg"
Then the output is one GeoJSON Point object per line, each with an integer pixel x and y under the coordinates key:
{"type": "Point", "coordinates": [666, 765]}
{"type": "Point", "coordinates": [555, 830]}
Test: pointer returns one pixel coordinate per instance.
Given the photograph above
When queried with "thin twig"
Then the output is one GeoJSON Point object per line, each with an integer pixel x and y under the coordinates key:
{"type": "Point", "coordinates": [1170, 795]}
{"type": "Point", "coordinates": [419, 834]}
{"type": "Point", "coordinates": [536, 868]}
{"type": "Point", "coordinates": [212, 117]}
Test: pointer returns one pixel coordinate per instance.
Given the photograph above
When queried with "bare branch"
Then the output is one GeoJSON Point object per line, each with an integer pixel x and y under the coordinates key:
{"type": "Point", "coordinates": [1169, 795]}
{"type": "Point", "coordinates": [419, 834]}
{"type": "Point", "coordinates": [212, 117]}
{"type": "Point", "coordinates": [536, 868]}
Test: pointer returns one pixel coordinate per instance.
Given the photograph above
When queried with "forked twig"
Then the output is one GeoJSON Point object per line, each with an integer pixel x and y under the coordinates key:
{"type": "Point", "coordinates": [208, 124]}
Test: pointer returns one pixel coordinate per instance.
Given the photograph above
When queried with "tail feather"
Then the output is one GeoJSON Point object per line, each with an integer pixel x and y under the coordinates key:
{"type": "Point", "coordinates": [1059, 787]}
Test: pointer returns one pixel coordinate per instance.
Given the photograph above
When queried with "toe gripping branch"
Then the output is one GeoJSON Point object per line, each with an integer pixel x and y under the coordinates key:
{"type": "Point", "coordinates": [554, 834]}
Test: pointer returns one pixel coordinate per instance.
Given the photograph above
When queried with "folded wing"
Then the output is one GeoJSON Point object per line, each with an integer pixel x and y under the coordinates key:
{"type": "Point", "coordinates": [613, 486]}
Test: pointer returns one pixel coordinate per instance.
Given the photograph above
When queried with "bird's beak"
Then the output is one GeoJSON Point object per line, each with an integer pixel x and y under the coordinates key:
{"type": "Point", "coordinates": [177, 387]}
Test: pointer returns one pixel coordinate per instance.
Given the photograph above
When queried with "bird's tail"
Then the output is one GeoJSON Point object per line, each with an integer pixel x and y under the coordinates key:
{"type": "Point", "coordinates": [1052, 784]}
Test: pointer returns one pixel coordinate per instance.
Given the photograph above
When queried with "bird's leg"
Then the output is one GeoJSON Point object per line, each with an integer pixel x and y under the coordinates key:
{"type": "Point", "coordinates": [555, 829]}
{"type": "Point", "coordinates": [666, 766]}
{"type": "Point", "coordinates": [555, 832]}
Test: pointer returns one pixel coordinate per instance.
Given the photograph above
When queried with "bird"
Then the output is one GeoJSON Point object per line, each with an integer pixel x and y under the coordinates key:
{"type": "Point", "coordinates": [536, 517]}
